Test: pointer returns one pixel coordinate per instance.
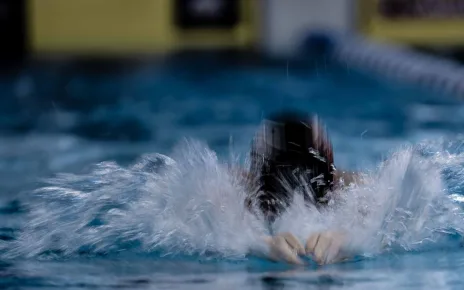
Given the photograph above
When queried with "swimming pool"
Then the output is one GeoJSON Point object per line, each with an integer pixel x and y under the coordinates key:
{"type": "Point", "coordinates": [101, 229]}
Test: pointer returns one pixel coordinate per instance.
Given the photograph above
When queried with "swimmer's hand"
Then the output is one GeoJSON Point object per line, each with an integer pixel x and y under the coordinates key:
{"type": "Point", "coordinates": [285, 248]}
{"type": "Point", "coordinates": [324, 248]}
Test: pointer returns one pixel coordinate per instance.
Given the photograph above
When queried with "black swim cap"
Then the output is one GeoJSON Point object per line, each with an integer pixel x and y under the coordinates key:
{"type": "Point", "coordinates": [291, 151]}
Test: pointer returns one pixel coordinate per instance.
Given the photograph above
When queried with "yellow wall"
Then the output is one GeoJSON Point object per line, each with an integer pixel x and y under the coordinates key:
{"type": "Point", "coordinates": [122, 26]}
{"type": "Point", "coordinates": [436, 32]}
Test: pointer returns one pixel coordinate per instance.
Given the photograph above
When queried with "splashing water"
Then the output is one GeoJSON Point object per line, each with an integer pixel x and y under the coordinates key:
{"type": "Point", "coordinates": [190, 204]}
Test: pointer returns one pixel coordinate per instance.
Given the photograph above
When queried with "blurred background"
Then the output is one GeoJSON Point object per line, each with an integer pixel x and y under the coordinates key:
{"type": "Point", "coordinates": [92, 80]}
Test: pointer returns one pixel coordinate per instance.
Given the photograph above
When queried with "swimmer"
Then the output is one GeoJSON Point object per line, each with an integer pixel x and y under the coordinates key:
{"type": "Point", "coordinates": [292, 153]}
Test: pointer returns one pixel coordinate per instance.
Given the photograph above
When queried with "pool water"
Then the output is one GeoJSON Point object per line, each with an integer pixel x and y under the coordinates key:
{"type": "Point", "coordinates": [100, 188]}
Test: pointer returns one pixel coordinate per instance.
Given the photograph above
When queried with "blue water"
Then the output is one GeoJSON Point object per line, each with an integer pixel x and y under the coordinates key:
{"type": "Point", "coordinates": [99, 188]}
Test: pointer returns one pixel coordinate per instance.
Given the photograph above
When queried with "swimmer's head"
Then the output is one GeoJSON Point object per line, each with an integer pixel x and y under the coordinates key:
{"type": "Point", "coordinates": [291, 153]}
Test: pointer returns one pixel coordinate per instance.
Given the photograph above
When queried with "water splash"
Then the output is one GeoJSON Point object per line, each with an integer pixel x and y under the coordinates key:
{"type": "Point", "coordinates": [188, 206]}
{"type": "Point", "coordinates": [191, 204]}
{"type": "Point", "coordinates": [403, 205]}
